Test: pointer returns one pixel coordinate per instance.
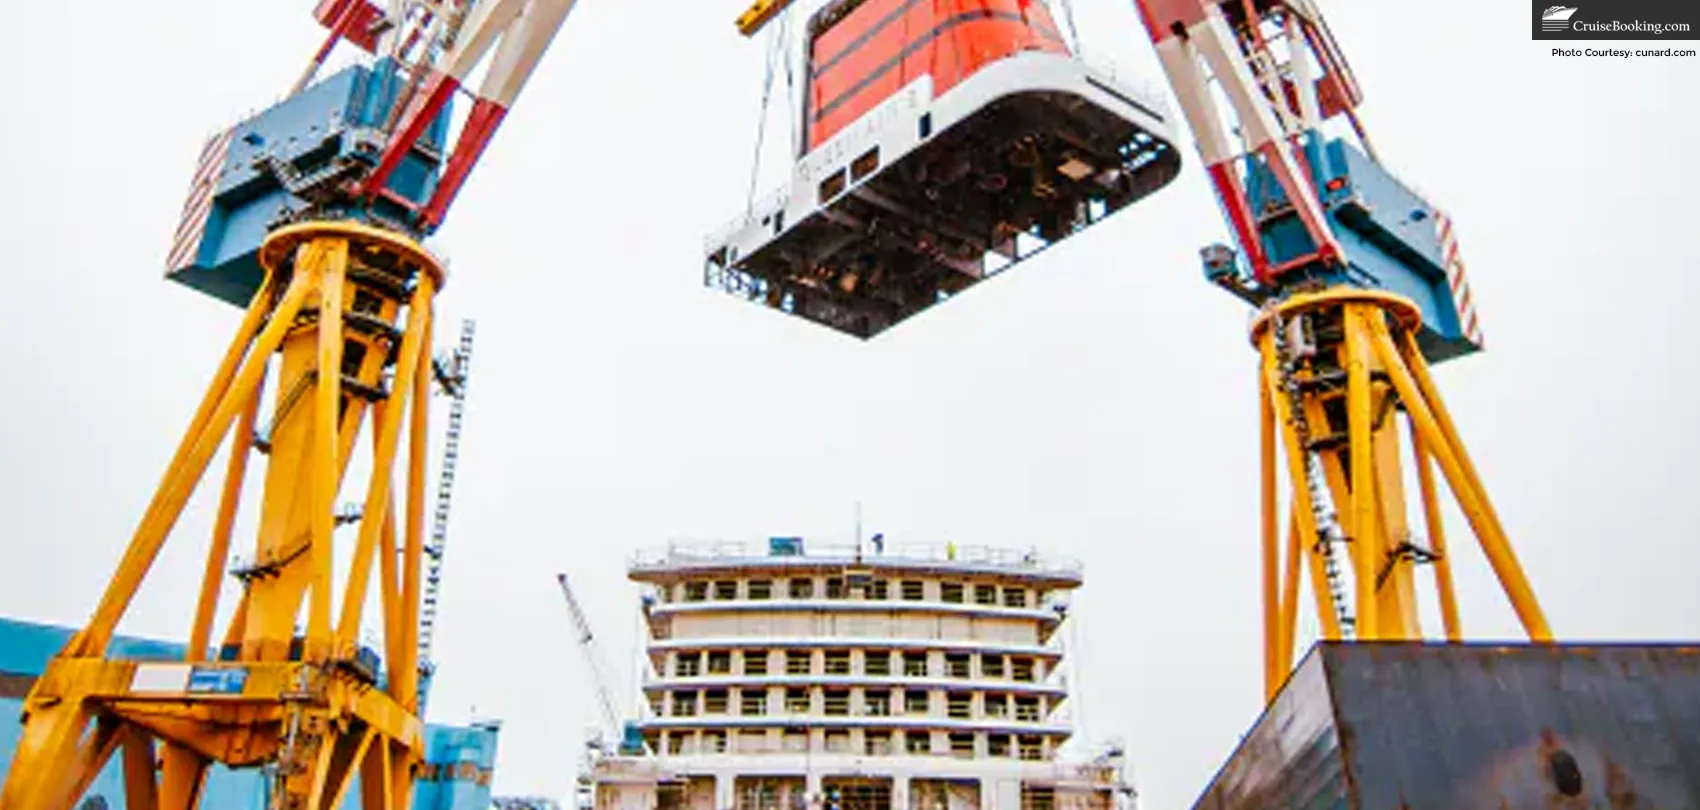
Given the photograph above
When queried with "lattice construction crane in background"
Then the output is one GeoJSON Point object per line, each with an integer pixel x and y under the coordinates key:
{"type": "Point", "coordinates": [624, 736]}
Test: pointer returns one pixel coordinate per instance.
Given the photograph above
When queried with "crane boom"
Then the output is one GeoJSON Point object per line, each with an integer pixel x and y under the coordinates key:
{"type": "Point", "coordinates": [309, 216]}
{"type": "Point", "coordinates": [587, 642]}
{"type": "Point", "coordinates": [1359, 288]}
{"type": "Point", "coordinates": [515, 34]}
{"type": "Point", "coordinates": [371, 143]}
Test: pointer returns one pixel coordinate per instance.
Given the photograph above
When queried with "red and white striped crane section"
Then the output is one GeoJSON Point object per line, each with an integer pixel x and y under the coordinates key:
{"type": "Point", "coordinates": [1195, 42]}
{"type": "Point", "coordinates": [444, 41]}
{"type": "Point", "coordinates": [1278, 98]}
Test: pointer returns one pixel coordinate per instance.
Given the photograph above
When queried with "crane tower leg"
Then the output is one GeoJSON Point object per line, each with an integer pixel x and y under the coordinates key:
{"type": "Point", "coordinates": [337, 296]}
{"type": "Point", "coordinates": [1336, 366]}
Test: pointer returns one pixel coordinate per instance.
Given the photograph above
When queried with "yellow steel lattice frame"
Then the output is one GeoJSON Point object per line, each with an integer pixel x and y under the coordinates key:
{"type": "Point", "coordinates": [1370, 335]}
{"type": "Point", "coordinates": [337, 296]}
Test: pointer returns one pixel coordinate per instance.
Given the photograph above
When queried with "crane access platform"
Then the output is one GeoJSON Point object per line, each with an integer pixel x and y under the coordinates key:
{"type": "Point", "coordinates": [942, 143]}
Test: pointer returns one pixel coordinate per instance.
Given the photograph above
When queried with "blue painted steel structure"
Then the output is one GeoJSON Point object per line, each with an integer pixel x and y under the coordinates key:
{"type": "Point", "coordinates": [459, 762]}
{"type": "Point", "coordinates": [294, 161]}
{"type": "Point", "coordinates": [1389, 233]}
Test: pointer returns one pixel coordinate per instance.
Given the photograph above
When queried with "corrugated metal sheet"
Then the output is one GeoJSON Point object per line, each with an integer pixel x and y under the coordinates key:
{"type": "Point", "coordinates": [1413, 726]}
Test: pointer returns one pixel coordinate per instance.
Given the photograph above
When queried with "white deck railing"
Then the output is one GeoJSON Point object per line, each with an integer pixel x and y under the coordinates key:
{"type": "Point", "coordinates": [723, 552]}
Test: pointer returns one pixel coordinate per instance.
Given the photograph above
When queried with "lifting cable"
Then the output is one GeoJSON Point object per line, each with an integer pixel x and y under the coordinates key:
{"type": "Point", "coordinates": [793, 101]}
{"type": "Point", "coordinates": [776, 49]}
{"type": "Point", "coordinates": [1067, 7]}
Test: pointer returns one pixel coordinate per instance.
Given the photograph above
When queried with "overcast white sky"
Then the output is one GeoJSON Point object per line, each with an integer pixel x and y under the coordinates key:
{"type": "Point", "coordinates": [1098, 402]}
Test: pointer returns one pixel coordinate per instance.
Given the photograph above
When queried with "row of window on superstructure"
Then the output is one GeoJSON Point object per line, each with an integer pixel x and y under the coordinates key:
{"type": "Point", "coordinates": [872, 663]}
{"type": "Point", "coordinates": [866, 742]}
{"type": "Point", "coordinates": [850, 702]}
{"type": "Point", "coordinates": [908, 590]}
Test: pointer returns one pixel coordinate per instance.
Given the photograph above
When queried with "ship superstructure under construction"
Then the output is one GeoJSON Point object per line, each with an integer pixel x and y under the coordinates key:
{"type": "Point", "coordinates": [792, 676]}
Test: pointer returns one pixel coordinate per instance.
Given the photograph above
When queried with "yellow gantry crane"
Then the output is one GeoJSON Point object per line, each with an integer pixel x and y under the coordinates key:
{"type": "Point", "coordinates": [1358, 280]}
{"type": "Point", "coordinates": [311, 703]}
{"type": "Point", "coordinates": [1359, 288]}
{"type": "Point", "coordinates": [311, 216]}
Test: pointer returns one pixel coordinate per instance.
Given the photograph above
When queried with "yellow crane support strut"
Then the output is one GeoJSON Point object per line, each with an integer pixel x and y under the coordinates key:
{"type": "Point", "coordinates": [1336, 365]}
{"type": "Point", "coordinates": [340, 296]}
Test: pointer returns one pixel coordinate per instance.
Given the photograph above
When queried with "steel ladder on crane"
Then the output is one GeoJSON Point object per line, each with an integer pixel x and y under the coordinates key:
{"type": "Point", "coordinates": [451, 374]}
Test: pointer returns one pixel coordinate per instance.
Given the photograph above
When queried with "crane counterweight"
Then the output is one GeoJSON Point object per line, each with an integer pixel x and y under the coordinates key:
{"type": "Point", "coordinates": [369, 144]}
{"type": "Point", "coordinates": [1392, 239]}
{"type": "Point", "coordinates": [310, 215]}
{"type": "Point", "coordinates": [1359, 290]}
{"type": "Point", "coordinates": [1307, 210]}
{"type": "Point", "coordinates": [292, 163]}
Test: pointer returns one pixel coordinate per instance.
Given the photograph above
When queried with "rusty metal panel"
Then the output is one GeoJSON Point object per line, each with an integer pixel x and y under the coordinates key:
{"type": "Point", "coordinates": [1415, 726]}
